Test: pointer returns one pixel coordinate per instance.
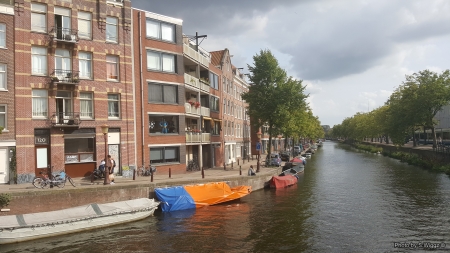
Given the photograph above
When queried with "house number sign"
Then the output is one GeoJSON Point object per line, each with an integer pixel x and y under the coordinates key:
{"type": "Point", "coordinates": [39, 140]}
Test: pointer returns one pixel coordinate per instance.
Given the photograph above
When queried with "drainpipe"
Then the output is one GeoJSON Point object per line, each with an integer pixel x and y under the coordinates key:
{"type": "Point", "coordinates": [142, 87]}
{"type": "Point", "coordinates": [134, 89]}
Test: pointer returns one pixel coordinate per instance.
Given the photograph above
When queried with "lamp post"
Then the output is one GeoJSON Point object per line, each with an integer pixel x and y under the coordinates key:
{"type": "Point", "coordinates": [105, 135]}
{"type": "Point", "coordinates": [259, 150]}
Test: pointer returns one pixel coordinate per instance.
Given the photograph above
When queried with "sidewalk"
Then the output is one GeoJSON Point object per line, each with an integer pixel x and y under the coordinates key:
{"type": "Point", "coordinates": [211, 175]}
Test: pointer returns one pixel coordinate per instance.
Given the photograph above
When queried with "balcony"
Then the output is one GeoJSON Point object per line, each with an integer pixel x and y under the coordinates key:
{"type": "Point", "coordinates": [206, 137]}
{"type": "Point", "coordinates": [204, 85]}
{"type": "Point", "coordinates": [193, 137]}
{"type": "Point", "coordinates": [191, 81]}
{"type": "Point", "coordinates": [203, 57]}
{"type": "Point", "coordinates": [62, 76]}
{"type": "Point", "coordinates": [192, 109]}
{"type": "Point", "coordinates": [205, 111]}
{"type": "Point", "coordinates": [64, 34]}
{"type": "Point", "coordinates": [65, 119]}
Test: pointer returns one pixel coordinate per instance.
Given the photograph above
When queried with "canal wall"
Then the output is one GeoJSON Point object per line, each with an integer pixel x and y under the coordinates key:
{"type": "Point", "coordinates": [38, 200]}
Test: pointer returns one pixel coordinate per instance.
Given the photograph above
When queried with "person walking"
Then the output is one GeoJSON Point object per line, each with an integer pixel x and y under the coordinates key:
{"type": "Point", "coordinates": [111, 169]}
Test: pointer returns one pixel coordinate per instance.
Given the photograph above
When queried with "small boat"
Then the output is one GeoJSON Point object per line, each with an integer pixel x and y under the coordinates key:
{"type": "Point", "coordinates": [199, 195]}
{"type": "Point", "coordinates": [24, 227]}
{"type": "Point", "coordinates": [289, 176]}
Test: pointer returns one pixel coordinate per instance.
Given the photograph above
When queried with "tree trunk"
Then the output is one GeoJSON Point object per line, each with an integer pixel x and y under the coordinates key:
{"type": "Point", "coordinates": [433, 134]}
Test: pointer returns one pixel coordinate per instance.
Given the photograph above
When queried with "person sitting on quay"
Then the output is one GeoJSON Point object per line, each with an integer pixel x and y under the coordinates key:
{"type": "Point", "coordinates": [251, 172]}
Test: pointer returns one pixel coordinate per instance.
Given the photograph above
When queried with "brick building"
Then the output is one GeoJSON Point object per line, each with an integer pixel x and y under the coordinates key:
{"type": "Point", "coordinates": [73, 74]}
{"type": "Point", "coordinates": [7, 89]}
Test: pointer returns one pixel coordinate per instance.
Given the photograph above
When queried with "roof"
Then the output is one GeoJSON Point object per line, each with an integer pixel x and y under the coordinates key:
{"type": "Point", "coordinates": [216, 57]}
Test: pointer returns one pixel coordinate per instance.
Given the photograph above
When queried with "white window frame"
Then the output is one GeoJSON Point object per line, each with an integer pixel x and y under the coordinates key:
{"type": "Point", "coordinates": [3, 77]}
{"type": "Point", "coordinates": [159, 33]}
{"type": "Point", "coordinates": [116, 63]}
{"type": "Point", "coordinates": [46, 104]}
{"type": "Point", "coordinates": [5, 117]}
{"type": "Point", "coordinates": [2, 35]}
{"type": "Point", "coordinates": [45, 62]}
{"type": "Point", "coordinates": [160, 57]}
{"type": "Point", "coordinates": [39, 12]}
{"type": "Point", "coordinates": [118, 105]}
{"type": "Point", "coordinates": [112, 25]}
{"type": "Point", "coordinates": [89, 63]}
{"type": "Point", "coordinates": [86, 17]}
{"type": "Point", "coordinates": [89, 101]}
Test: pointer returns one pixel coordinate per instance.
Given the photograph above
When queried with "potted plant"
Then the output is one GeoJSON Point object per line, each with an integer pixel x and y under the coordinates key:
{"type": "Point", "coordinates": [197, 104]}
{"type": "Point", "coordinates": [5, 198]}
{"type": "Point", "coordinates": [54, 78]}
{"type": "Point", "coordinates": [76, 80]}
{"type": "Point", "coordinates": [191, 102]}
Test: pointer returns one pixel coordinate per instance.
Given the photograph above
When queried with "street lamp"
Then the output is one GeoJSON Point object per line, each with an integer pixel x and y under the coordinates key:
{"type": "Point", "coordinates": [105, 135]}
{"type": "Point", "coordinates": [259, 150]}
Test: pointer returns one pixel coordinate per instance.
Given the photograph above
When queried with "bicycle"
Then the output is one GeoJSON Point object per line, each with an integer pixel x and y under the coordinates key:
{"type": "Point", "coordinates": [146, 171]}
{"type": "Point", "coordinates": [192, 165]}
{"type": "Point", "coordinates": [49, 179]}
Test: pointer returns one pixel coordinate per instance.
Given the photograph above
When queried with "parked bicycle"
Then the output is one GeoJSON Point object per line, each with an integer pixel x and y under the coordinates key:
{"type": "Point", "coordinates": [47, 179]}
{"type": "Point", "coordinates": [192, 165]}
{"type": "Point", "coordinates": [146, 171]}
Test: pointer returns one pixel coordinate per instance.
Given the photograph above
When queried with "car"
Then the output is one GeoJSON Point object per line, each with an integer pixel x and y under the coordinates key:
{"type": "Point", "coordinates": [275, 160]}
{"type": "Point", "coordinates": [285, 156]}
{"type": "Point", "coordinates": [297, 150]}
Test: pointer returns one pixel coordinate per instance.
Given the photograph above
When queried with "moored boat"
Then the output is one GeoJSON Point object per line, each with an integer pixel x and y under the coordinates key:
{"type": "Point", "coordinates": [289, 176]}
{"type": "Point", "coordinates": [24, 227]}
{"type": "Point", "coordinates": [199, 195]}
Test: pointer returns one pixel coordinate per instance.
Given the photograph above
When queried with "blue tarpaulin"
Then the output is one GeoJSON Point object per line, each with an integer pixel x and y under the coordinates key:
{"type": "Point", "coordinates": [174, 198]}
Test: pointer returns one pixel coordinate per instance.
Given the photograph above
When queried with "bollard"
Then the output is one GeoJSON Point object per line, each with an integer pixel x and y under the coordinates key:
{"type": "Point", "coordinates": [170, 172]}
{"type": "Point", "coordinates": [134, 174]}
{"type": "Point", "coordinates": [203, 173]}
{"type": "Point", "coordinates": [240, 170]}
{"type": "Point", "coordinates": [232, 164]}
{"type": "Point", "coordinates": [248, 157]}
{"type": "Point", "coordinates": [238, 161]}
{"type": "Point", "coordinates": [224, 166]}
{"type": "Point", "coordinates": [151, 177]}
{"type": "Point", "coordinates": [243, 161]}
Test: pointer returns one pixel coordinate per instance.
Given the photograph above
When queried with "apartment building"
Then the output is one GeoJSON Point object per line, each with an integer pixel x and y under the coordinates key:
{"type": "Point", "coordinates": [73, 75]}
{"type": "Point", "coordinates": [242, 120]}
{"type": "Point", "coordinates": [7, 122]}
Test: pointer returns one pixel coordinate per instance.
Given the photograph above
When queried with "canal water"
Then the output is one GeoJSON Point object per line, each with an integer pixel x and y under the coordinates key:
{"type": "Point", "coordinates": [346, 201]}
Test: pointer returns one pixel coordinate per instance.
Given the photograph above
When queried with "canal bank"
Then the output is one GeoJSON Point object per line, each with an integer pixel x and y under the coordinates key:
{"type": "Point", "coordinates": [27, 199]}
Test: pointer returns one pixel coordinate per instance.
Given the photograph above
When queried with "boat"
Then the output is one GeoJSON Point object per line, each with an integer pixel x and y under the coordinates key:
{"type": "Point", "coordinates": [199, 195]}
{"type": "Point", "coordinates": [289, 175]}
{"type": "Point", "coordinates": [24, 227]}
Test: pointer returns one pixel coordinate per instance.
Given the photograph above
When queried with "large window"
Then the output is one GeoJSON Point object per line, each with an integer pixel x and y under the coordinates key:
{"type": "Point", "coordinates": [112, 67]}
{"type": "Point", "coordinates": [160, 61]}
{"type": "Point", "coordinates": [214, 103]}
{"type": "Point", "coordinates": [111, 29]}
{"type": "Point", "coordinates": [163, 124]}
{"type": "Point", "coordinates": [84, 25]}
{"type": "Point", "coordinates": [40, 103]}
{"type": "Point", "coordinates": [85, 65]}
{"type": "Point", "coordinates": [216, 128]}
{"type": "Point", "coordinates": [3, 116]}
{"type": "Point", "coordinates": [164, 155]}
{"type": "Point", "coordinates": [159, 30]}
{"type": "Point", "coordinates": [3, 76]}
{"type": "Point", "coordinates": [86, 105]}
{"type": "Point", "coordinates": [113, 106]}
{"type": "Point", "coordinates": [162, 93]}
{"type": "Point", "coordinates": [213, 81]}
{"type": "Point", "coordinates": [2, 35]}
{"type": "Point", "coordinates": [79, 150]}
{"type": "Point", "coordinates": [39, 60]}
{"type": "Point", "coordinates": [38, 17]}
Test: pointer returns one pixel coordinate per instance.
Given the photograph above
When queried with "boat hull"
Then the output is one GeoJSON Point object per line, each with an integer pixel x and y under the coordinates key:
{"type": "Point", "coordinates": [282, 181]}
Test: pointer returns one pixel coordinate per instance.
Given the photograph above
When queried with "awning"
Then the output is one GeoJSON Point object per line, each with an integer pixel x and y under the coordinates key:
{"type": "Point", "coordinates": [79, 136]}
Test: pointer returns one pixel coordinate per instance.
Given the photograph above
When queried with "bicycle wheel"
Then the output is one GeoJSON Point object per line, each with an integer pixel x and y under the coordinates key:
{"type": "Point", "coordinates": [71, 181]}
{"type": "Point", "coordinates": [37, 182]}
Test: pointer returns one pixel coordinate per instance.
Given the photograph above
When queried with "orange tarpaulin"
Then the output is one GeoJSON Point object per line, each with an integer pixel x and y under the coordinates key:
{"type": "Point", "coordinates": [215, 193]}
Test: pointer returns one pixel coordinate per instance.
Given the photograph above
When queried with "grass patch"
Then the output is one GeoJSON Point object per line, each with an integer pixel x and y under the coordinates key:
{"type": "Point", "coordinates": [369, 148]}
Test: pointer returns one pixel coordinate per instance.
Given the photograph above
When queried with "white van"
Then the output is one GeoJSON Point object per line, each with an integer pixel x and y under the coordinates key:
{"type": "Point", "coordinates": [297, 150]}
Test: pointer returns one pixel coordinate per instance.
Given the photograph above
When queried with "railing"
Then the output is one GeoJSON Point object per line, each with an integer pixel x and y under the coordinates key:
{"type": "Point", "coordinates": [206, 137]}
{"type": "Point", "coordinates": [205, 111]}
{"type": "Point", "coordinates": [65, 76]}
{"type": "Point", "coordinates": [199, 57]}
{"type": "Point", "coordinates": [191, 109]}
{"type": "Point", "coordinates": [204, 86]}
{"type": "Point", "coordinates": [64, 34]}
{"type": "Point", "coordinates": [193, 137]}
{"type": "Point", "coordinates": [7, 2]}
{"type": "Point", "coordinates": [191, 81]}
{"type": "Point", "coordinates": [59, 119]}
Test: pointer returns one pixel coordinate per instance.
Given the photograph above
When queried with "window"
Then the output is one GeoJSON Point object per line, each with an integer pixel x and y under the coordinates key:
{"type": "Point", "coordinates": [79, 150]}
{"type": "Point", "coordinates": [226, 128]}
{"type": "Point", "coordinates": [163, 124]}
{"type": "Point", "coordinates": [2, 35]}
{"type": "Point", "coordinates": [39, 103]}
{"type": "Point", "coordinates": [159, 30]}
{"type": "Point", "coordinates": [63, 64]}
{"type": "Point", "coordinates": [86, 105]}
{"type": "Point", "coordinates": [228, 108]}
{"type": "Point", "coordinates": [112, 67]}
{"type": "Point", "coordinates": [214, 81]}
{"type": "Point", "coordinates": [39, 60]}
{"type": "Point", "coordinates": [3, 76]}
{"type": "Point", "coordinates": [113, 106]}
{"type": "Point", "coordinates": [111, 29]}
{"type": "Point", "coordinates": [232, 129]}
{"type": "Point", "coordinates": [84, 25]}
{"type": "Point", "coordinates": [38, 17]}
{"type": "Point", "coordinates": [162, 93]}
{"type": "Point", "coordinates": [224, 106]}
{"type": "Point", "coordinates": [216, 128]}
{"type": "Point", "coordinates": [3, 116]}
{"type": "Point", "coordinates": [63, 24]}
{"type": "Point", "coordinates": [214, 103]}
{"type": "Point", "coordinates": [160, 61]}
{"type": "Point", "coordinates": [164, 155]}
{"type": "Point", "coordinates": [85, 65]}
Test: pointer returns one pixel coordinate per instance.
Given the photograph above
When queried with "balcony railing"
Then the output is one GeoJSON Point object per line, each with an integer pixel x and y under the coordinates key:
{"type": "Point", "coordinates": [205, 111]}
{"type": "Point", "coordinates": [64, 34]}
{"type": "Point", "coordinates": [65, 119]}
{"type": "Point", "coordinates": [65, 76]}
{"type": "Point", "coordinates": [206, 137]}
{"type": "Point", "coordinates": [7, 2]}
{"type": "Point", "coordinates": [203, 58]}
{"type": "Point", "coordinates": [191, 81]}
{"type": "Point", "coordinates": [193, 137]}
{"type": "Point", "coordinates": [204, 85]}
{"type": "Point", "coordinates": [192, 109]}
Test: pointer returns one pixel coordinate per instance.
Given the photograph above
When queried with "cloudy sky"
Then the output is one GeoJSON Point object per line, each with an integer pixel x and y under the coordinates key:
{"type": "Point", "coordinates": [351, 54]}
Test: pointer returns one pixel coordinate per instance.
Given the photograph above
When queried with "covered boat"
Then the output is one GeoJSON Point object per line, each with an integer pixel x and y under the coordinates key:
{"type": "Point", "coordinates": [199, 195]}
{"type": "Point", "coordinates": [289, 176]}
{"type": "Point", "coordinates": [23, 227]}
